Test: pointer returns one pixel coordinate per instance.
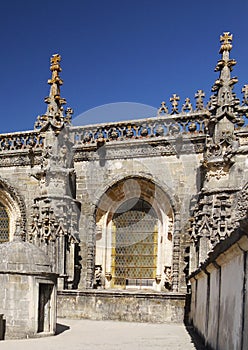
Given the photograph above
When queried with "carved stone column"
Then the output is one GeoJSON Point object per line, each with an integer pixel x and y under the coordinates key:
{"type": "Point", "coordinates": [91, 242]}
{"type": "Point", "coordinates": [176, 254]}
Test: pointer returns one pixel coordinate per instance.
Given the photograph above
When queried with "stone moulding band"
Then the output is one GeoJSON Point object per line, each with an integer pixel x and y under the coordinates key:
{"type": "Point", "coordinates": [126, 294]}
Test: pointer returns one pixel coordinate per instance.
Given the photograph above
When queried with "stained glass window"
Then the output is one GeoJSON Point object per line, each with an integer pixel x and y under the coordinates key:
{"type": "Point", "coordinates": [4, 224]}
{"type": "Point", "coordinates": [134, 244]}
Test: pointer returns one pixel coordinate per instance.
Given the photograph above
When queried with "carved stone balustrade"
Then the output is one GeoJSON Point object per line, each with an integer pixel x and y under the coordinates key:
{"type": "Point", "coordinates": [25, 140]}
{"type": "Point", "coordinates": [185, 123]}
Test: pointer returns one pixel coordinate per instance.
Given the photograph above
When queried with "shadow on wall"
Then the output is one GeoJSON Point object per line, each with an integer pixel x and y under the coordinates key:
{"type": "Point", "coordinates": [2, 327]}
{"type": "Point", "coordinates": [196, 339]}
{"type": "Point", "coordinates": [61, 328]}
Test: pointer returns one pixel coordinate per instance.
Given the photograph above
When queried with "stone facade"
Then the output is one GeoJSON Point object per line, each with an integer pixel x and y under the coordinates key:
{"type": "Point", "coordinates": [136, 205]}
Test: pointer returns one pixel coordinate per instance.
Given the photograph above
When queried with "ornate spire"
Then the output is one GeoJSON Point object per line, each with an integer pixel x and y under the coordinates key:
{"type": "Point", "coordinates": [54, 115]}
{"type": "Point", "coordinates": [55, 101]}
{"type": "Point", "coordinates": [226, 114]}
{"type": "Point", "coordinates": [224, 101]}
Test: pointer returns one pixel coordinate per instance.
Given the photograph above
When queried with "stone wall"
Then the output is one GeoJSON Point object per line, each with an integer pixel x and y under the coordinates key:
{"type": "Point", "coordinates": [219, 300]}
{"type": "Point", "coordinates": [173, 173]}
{"type": "Point", "coordinates": [19, 293]}
{"type": "Point", "coordinates": [121, 306]}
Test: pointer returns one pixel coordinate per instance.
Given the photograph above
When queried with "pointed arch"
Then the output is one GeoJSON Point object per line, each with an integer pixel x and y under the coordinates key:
{"type": "Point", "coordinates": [14, 205]}
{"type": "Point", "coordinates": [101, 201]}
{"type": "Point", "coordinates": [131, 192]}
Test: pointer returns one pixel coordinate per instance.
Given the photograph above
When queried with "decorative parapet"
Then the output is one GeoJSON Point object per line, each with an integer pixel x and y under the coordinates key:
{"type": "Point", "coordinates": [186, 124]}
{"type": "Point", "coordinates": [16, 141]}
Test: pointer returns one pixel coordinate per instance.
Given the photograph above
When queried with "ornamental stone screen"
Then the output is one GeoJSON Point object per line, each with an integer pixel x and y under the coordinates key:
{"type": "Point", "coordinates": [134, 244]}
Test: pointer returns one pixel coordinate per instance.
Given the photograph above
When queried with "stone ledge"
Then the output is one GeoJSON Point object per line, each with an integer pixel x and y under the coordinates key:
{"type": "Point", "coordinates": [123, 293]}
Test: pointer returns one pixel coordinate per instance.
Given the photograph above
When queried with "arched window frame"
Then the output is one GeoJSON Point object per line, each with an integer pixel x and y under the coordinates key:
{"type": "Point", "coordinates": [12, 210]}
{"type": "Point", "coordinates": [107, 206]}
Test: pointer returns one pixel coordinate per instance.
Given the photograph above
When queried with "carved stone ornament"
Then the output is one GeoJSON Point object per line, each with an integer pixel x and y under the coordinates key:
{"type": "Point", "coordinates": [213, 217]}
{"type": "Point", "coordinates": [242, 204]}
{"type": "Point", "coordinates": [54, 117]}
{"type": "Point", "coordinates": [216, 173]}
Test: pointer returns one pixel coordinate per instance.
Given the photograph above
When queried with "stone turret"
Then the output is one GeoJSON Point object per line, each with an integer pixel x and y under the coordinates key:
{"type": "Point", "coordinates": [28, 290]}
{"type": "Point", "coordinates": [54, 224]}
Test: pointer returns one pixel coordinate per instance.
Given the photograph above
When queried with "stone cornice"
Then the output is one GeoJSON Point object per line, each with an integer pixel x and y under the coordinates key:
{"type": "Point", "coordinates": [123, 293]}
{"type": "Point", "coordinates": [20, 158]}
{"type": "Point", "coordinates": [140, 148]}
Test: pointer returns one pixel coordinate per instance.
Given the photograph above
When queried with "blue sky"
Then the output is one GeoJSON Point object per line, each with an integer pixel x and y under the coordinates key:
{"type": "Point", "coordinates": [139, 51]}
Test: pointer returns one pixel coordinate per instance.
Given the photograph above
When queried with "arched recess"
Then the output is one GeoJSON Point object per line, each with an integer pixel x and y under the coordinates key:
{"type": "Point", "coordinates": [131, 208]}
{"type": "Point", "coordinates": [14, 206]}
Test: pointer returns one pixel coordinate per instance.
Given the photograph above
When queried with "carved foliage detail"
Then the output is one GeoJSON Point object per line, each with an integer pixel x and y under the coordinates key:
{"type": "Point", "coordinates": [242, 203]}
{"type": "Point", "coordinates": [213, 217]}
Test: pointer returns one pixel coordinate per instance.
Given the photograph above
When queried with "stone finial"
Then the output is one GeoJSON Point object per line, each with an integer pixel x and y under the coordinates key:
{"type": "Point", "coordinates": [226, 40]}
{"type": "Point", "coordinates": [245, 94]}
{"type": "Point", "coordinates": [199, 96]}
{"type": "Point", "coordinates": [174, 102]}
{"type": "Point", "coordinates": [69, 112]}
{"type": "Point", "coordinates": [187, 106]}
{"type": "Point", "coordinates": [54, 115]}
{"type": "Point", "coordinates": [163, 109]}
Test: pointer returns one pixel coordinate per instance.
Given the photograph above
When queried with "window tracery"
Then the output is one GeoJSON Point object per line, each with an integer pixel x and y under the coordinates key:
{"type": "Point", "coordinates": [4, 224]}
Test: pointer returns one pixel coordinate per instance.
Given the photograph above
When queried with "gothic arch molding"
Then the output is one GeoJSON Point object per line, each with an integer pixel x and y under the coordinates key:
{"type": "Point", "coordinates": [14, 205]}
{"type": "Point", "coordinates": [145, 187]}
{"type": "Point", "coordinates": [172, 197]}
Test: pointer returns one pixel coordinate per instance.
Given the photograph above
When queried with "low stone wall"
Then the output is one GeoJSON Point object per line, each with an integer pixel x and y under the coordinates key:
{"type": "Point", "coordinates": [121, 306]}
{"type": "Point", "coordinates": [219, 302]}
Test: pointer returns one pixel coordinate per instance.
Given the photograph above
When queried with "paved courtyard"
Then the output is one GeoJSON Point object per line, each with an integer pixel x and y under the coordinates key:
{"type": "Point", "coordinates": [109, 335]}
